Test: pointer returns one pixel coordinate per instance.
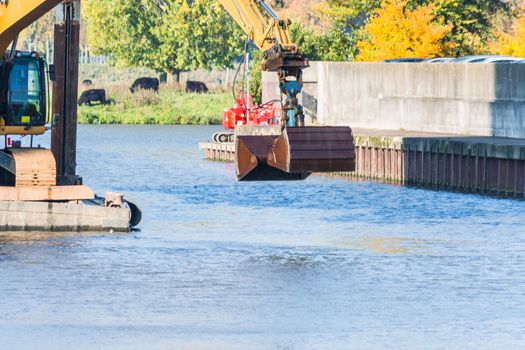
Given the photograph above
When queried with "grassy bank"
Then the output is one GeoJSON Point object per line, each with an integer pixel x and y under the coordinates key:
{"type": "Point", "coordinates": [169, 107]}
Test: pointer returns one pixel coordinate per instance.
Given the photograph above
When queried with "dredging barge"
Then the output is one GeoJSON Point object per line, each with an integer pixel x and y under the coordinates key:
{"type": "Point", "coordinates": [39, 188]}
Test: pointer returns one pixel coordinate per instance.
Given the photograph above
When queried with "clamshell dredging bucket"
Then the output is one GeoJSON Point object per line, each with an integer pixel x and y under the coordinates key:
{"type": "Point", "coordinates": [314, 150]}
{"type": "Point", "coordinates": [295, 154]}
{"type": "Point", "coordinates": [252, 153]}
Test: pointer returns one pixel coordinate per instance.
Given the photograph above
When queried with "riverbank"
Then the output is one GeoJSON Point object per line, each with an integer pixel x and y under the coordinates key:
{"type": "Point", "coordinates": [169, 107]}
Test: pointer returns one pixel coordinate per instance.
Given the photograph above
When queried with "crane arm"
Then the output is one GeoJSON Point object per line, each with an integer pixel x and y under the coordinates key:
{"type": "Point", "coordinates": [271, 35]}
{"type": "Point", "coordinates": [15, 15]}
{"type": "Point", "coordinates": [265, 33]}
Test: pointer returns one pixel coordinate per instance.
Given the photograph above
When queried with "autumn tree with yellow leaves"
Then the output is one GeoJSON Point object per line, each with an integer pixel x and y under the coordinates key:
{"type": "Point", "coordinates": [397, 31]}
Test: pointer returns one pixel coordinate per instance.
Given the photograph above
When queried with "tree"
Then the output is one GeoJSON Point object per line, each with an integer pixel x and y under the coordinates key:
{"type": "Point", "coordinates": [39, 35]}
{"type": "Point", "coordinates": [196, 35]}
{"type": "Point", "coordinates": [397, 31]}
{"type": "Point", "coordinates": [323, 45]}
{"type": "Point", "coordinates": [511, 43]}
{"type": "Point", "coordinates": [472, 22]}
{"type": "Point", "coordinates": [169, 36]}
{"type": "Point", "coordinates": [121, 29]}
{"type": "Point", "coordinates": [256, 76]}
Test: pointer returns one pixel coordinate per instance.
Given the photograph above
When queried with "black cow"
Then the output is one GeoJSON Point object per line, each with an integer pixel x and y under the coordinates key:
{"type": "Point", "coordinates": [196, 86]}
{"type": "Point", "coordinates": [94, 95]}
{"type": "Point", "coordinates": [145, 84]}
{"type": "Point", "coordinates": [87, 82]}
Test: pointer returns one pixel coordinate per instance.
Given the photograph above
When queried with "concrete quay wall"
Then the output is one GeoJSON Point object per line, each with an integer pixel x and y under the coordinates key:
{"type": "Point", "coordinates": [465, 99]}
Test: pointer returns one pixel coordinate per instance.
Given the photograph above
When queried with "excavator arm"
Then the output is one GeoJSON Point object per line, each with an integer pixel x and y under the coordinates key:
{"type": "Point", "coordinates": [299, 151]}
{"type": "Point", "coordinates": [265, 33]}
{"type": "Point", "coordinates": [15, 15]}
{"type": "Point", "coordinates": [271, 35]}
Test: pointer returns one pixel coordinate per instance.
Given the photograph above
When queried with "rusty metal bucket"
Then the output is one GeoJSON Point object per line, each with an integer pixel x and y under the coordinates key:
{"type": "Point", "coordinates": [252, 154]}
{"type": "Point", "coordinates": [295, 154]}
{"type": "Point", "coordinates": [314, 150]}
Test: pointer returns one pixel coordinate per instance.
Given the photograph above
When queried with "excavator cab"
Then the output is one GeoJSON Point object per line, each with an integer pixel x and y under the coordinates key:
{"type": "Point", "coordinates": [26, 101]}
{"type": "Point", "coordinates": [24, 110]}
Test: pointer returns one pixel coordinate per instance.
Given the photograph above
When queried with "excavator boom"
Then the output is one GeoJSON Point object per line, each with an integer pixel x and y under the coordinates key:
{"type": "Point", "coordinates": [16, 15]}
{"type": "Point", "coordinates": [262, 31]}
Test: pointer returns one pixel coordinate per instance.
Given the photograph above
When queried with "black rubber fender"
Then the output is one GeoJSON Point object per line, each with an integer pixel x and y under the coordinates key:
{"type": "Point", "coordinates": [136, 214]}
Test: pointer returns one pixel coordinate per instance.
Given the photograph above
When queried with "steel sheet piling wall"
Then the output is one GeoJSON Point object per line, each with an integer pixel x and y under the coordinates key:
{"type": "Point", "coordinates": [442, 164]}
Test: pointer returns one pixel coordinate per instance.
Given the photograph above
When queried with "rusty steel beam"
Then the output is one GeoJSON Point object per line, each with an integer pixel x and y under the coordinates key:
{"type": "Point", "coordinates": [65, 92]}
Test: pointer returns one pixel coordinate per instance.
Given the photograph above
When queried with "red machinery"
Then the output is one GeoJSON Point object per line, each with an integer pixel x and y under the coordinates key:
{"type": "Point", "coordinates": [245, 112]}
{"type": "Point", "coordinates": [265, 114]}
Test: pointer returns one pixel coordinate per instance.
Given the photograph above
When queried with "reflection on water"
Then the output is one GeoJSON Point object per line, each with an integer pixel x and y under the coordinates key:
{"type": "Point", "coordinates": [385, 245]}
{"type": "Point", "coordinates": [321, 264]}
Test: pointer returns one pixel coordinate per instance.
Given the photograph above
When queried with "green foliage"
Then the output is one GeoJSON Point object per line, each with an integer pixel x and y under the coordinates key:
{"type": "Point", "coordinates": [121, 29]}
{"type": "Point", "coordinates": [256, 76]}
{"type": "Point", "coordinates": [471, 22]}
{"type": "Point", "coordinates": [333, 44]}
{"type": "Point", "coordinates": [308, 40]}
{"type": "Point", "coordinates": [170, 36]}
{"type": "Point", "coordinates": [169, 107]}
{"type": "Point", "coordinates": [196, 34]}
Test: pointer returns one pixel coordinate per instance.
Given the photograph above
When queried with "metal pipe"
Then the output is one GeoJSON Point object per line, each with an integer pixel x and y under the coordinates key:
{"type": "Point", "coordinates": [269, 9]}
{"type": "Point", "coordinates": [12, 54]}
{"type": "Point", "coordinates": [247, 86]}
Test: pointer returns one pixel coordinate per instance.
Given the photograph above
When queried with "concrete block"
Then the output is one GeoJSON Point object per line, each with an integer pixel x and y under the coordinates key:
{"type": "Point", "coordinates": [49, 216]}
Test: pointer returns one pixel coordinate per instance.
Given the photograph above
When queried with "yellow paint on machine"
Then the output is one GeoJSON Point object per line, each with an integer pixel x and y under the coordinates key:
{"type": "Point", "coordinates": [22, 130]}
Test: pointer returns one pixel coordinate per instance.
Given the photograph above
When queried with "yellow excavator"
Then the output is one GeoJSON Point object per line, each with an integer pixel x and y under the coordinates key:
{"type": "Point", "coordinates": [294, 154]}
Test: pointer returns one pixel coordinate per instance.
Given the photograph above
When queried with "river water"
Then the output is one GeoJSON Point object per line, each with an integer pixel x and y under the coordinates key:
{"type": "Point", "coordinates": [322, 264]}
